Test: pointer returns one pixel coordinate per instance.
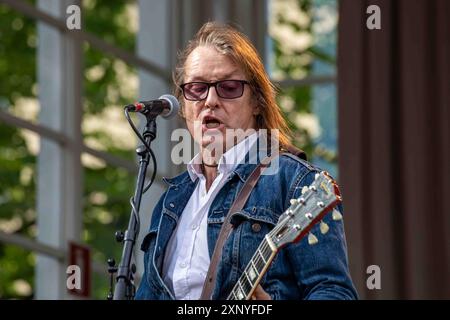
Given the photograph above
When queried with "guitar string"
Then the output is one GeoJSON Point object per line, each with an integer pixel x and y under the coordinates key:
{"type": "Point", "coordinates": [258, 261]}
{"type": "Point", "coordinates": [257, 258]}
{"type": "Point", "coordinates": [236, 286]}
{"type": "Point", "coordinates": [264, 249]}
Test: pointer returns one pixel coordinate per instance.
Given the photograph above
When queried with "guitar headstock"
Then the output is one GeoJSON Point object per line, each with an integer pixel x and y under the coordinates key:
{"type": "Point", "coordinates": [315, 202]}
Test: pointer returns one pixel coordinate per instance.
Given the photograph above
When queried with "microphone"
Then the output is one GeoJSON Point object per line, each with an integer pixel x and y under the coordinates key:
{"type": "Point", "coordinates": [167, 106]}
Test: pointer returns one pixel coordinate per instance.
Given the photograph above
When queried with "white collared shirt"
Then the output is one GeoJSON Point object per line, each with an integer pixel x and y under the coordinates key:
{"type": "Point", "coordinates": [187, 259]}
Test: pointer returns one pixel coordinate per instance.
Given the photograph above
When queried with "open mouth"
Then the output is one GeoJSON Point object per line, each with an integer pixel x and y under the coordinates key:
{"type": "Point", "coordinates": [211, 122]}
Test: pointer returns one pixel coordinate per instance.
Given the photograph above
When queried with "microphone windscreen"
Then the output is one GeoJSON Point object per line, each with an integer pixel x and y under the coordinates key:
{"type": "Point", "coordinates": [174, 105]}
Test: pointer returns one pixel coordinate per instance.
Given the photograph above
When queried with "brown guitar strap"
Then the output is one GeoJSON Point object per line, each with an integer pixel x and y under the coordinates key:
{"type": "Point", "coordinates": [227, 227]}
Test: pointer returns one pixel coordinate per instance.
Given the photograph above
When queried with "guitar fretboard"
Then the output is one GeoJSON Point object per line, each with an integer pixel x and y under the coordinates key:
{"type": "Point", "coordinates": [254, 271]}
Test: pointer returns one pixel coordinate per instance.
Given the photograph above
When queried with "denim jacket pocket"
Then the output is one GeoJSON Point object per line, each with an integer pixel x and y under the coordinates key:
{"type": "Point", "coordinates": [251, 226]}
{"type": "Point", "coordinates": [256, 214]}
{"type": "Point", "coordinates": [148, 239]}
{"type": "Point", "coordinates": [152, 252]}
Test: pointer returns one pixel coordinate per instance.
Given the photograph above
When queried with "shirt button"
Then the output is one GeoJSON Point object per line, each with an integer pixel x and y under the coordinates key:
{"type": "Point", "coordinates": [194, 226]}
{"type": "Point", "coordinates": [183, 265]}
{"type": "Point", "coordinates": [256, 227]}
{"type": "Point", "coordinates": [171, 205]}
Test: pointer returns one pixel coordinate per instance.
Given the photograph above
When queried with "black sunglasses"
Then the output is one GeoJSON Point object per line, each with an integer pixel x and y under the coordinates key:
{"type": "Point", "coordinates": [226, 89]}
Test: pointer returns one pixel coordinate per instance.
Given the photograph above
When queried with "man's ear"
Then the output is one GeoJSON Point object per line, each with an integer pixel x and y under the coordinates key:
{"type": "Point", "coordinates": [256, 109]}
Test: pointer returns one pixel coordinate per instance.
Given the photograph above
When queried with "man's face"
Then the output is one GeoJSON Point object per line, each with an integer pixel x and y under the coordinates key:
{"type": "Point", "coordinates": [208, 119]}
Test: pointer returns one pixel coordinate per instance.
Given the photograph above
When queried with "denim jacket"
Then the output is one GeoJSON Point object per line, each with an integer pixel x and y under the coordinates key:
{"type": "Point", "coordinates": [299, 270]}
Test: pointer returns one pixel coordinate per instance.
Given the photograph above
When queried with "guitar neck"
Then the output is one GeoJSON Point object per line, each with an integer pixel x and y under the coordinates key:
{"type": "Point", "coordinates": [254, 271]}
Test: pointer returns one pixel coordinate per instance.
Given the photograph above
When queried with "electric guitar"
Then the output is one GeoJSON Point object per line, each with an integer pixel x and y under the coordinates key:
{"type": "Point", "coordinates": [315, 202]}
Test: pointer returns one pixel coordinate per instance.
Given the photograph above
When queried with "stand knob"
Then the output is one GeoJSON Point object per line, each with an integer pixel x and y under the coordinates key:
{"type": "Point", "coordinates": [141, 150]}
{"type": "Point", "coordinates": [111, 270]}
{"type": "Point", "coordinates": [119, 236]}
{"type": "Point", "coordinates": [112, 266]}
{"type": "Point", "coordinates": [111, 262]}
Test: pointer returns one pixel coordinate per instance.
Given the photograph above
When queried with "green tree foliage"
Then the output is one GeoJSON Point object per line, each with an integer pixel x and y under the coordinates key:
{"type": "Point", "coordinates": [17, 195]}
{"type": "Point", "coordinates": [106, 189]}
{"type": "Point", "coordinates": [295, 51]}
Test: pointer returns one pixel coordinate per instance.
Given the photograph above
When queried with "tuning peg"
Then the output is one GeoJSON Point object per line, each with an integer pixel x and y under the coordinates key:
{"type": "Point", "coordinates": [293, 201]}
{"type": "Point", "coordinates": [324, 227]}
{"type": "Point", "coordinates": [336, 215]}
{"type": "Point", "coordinates": [304, 189]}
{"type": "Point", "coordinates": [312, 239]}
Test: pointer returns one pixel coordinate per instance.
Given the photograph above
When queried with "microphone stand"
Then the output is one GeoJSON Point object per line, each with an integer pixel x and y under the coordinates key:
{"type": "Point", "coordinates": [124, 288]}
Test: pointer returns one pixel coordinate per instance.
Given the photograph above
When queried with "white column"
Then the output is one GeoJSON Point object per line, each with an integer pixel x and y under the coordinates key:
{"type": "Point", "coordinates": [154, 43]}
{"type": "Point", "coordinates": [59, 213]}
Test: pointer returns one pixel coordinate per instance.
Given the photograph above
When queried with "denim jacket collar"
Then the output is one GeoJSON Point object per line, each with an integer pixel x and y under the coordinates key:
{"type": "Point", "coordinates": [182, 178]}
{"type": "Point", "coordinates": [243, 170]}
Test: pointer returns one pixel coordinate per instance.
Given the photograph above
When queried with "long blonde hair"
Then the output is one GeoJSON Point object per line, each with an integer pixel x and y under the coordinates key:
{"type": "Point", "coordinates": [234, 44]}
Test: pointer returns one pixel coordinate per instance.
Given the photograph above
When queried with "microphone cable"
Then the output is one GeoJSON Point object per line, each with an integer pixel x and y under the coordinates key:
{"type": "Point", "coordinates": [152, 179]}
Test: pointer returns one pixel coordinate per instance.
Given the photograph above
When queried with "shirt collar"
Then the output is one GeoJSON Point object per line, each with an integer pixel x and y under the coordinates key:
{"type": "Point", "coordinates": [228, 161]}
